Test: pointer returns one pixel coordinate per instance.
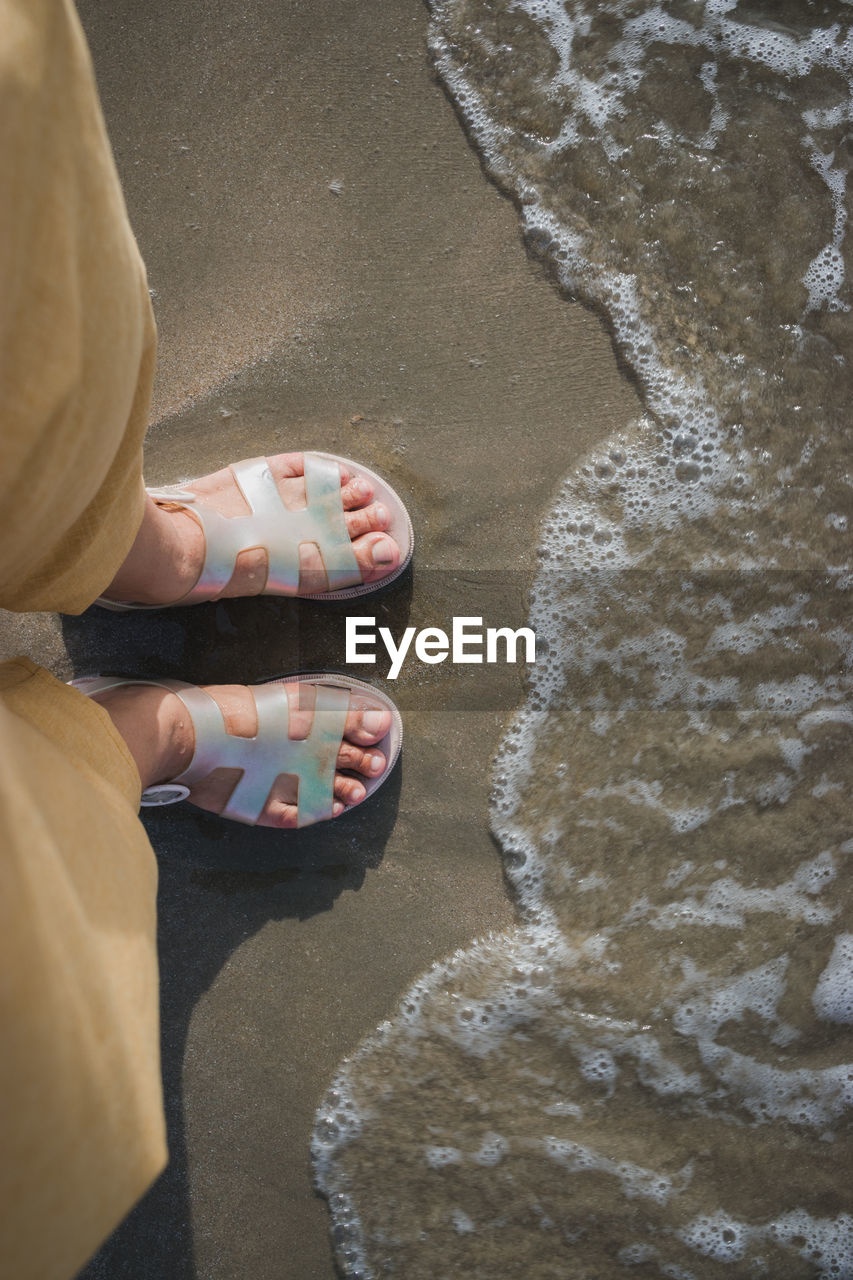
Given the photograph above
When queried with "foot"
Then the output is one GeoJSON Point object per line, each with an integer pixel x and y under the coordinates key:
{"type": "Point", "coordinates": [159, 733]}
{"type": "Point", "coordinates": [166, 559]}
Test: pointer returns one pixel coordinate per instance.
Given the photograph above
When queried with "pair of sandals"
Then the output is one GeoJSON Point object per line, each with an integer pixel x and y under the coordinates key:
{"type": "Point", "coordinates": [280, 531]}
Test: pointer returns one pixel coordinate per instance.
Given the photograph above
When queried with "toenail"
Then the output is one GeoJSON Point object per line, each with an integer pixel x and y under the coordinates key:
{"type": "Point", "coordinates": [376, 764]}
{"type": "Point", "coordinates": [373, 721]}
{"type": "Point", "coordinates": [358, 486]}
{"type": "Point", "coordinates": [357, 793]}
{"type": "Point", "coordinates": [382, 551]}
{"type": "Point", "coordinates": [381, 513]}
{"type": "Point", "coordinates": [337, 809]}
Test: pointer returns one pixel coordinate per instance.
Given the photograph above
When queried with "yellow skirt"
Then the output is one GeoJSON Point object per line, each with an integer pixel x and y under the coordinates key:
{"type": "Point", "coordinates": [81, 1118]}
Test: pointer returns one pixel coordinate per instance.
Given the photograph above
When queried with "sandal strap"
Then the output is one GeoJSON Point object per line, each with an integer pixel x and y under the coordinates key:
{"type": "Point", "coordinates": [313, 760]}
{"type": "Point", "coordinates": [275, 528]}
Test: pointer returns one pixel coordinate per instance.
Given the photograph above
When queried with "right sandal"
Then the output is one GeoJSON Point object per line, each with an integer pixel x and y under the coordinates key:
{"type": "Point", "coordinates": [313, 760]}
{"type": "Point", "coordinates": [280, 531]}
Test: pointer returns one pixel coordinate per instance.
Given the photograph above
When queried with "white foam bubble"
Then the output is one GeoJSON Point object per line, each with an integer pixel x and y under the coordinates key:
{"type": "Point", "coordinates": [717, 1236]}
{"type": "Point", "coordinates": [439, 1157]}
{"type": "Point", "coordinates": [491, 1151]}
{"type": "Point", "coordinates": [825, 1243]}
{"type": "Point", "coordinates": [461, 1222]}
{"type": "Point", "coordinates": [634, 1180]}
{"type": "Point", "coordinates": [824, 278]}
{"type": "Point", "coordinates": [833, 996]}
{"type": "Point", "coordinates": [726, 903]}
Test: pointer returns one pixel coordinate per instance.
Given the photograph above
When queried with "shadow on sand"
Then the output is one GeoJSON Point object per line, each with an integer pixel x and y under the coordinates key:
{"type": "Point", "coordinates": [220, 882]}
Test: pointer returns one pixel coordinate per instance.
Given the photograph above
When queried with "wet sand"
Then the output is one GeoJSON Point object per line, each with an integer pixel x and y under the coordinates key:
{"type": "Point", "coordinates": [330, 269]}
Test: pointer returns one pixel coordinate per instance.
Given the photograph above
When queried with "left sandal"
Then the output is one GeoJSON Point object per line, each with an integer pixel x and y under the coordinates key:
{"type": "Point", "coordinates": [280, 531]}
{"type": "Point", "coordinates": [272, 752]}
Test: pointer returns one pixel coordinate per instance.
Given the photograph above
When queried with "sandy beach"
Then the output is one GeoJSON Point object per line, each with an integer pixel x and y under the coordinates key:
{"type": "Point", "coordinates": [330, 269]}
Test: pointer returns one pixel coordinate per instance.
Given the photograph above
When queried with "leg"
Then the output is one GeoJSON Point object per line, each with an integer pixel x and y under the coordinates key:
{"type": "Point", "coordinates": [81, 1116]}
{"type": "Point", "coordinates": [76, 328]}
{"type": "Point", "coordinates": [81, 1125]}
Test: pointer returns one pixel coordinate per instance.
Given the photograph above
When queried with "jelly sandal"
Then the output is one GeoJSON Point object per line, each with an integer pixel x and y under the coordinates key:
{"type": "Point", "coordinates": [312, 760]}
{"type": "Point", "coordinates": [280, 531]}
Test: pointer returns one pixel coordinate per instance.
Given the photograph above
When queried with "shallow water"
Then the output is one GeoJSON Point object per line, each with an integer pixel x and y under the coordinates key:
{"type": "Point", "coordinates": [654, 1073]}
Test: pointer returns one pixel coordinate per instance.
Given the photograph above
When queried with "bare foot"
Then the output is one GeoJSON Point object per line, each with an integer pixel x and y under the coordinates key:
{"type": "Point", "coordinates": [159, 732]}
{"type": "Point", "coordinates": [166, 559]}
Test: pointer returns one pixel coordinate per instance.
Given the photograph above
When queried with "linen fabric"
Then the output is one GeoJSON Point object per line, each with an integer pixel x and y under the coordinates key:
{"type": "Point", "coordinates": [81, 1119]}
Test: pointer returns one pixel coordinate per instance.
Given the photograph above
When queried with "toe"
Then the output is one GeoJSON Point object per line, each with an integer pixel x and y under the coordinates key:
{"type": "Point", "coordinates": [368, 763]}
{"type": "Point", "coordinates": [279, 813]}
{"type": "Point", "coordinates": [288, 470]}
{"type": "Point", "coordinates": [370, 519]}
{"type": "Point", "coordinates": [367, 721]}
{"type": "Point", "coordinates": [377, 555]}
{"type": "Point", "coordinates": [366, 724]}
{"type": "Point", "coordinates": [349, 790]}
{"type": "Point", "coordinates": [286, 466]}
{"type": "Point", "coordinates": [283, 814]}
{"type": "Point", "coordinates": [356, 492]}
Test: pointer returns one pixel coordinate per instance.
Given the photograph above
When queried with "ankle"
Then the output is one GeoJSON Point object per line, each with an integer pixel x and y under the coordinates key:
{"type": "Point", "coordinates": [165, 560]}
{"type": "Point", "coordinates": [156, 727]}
